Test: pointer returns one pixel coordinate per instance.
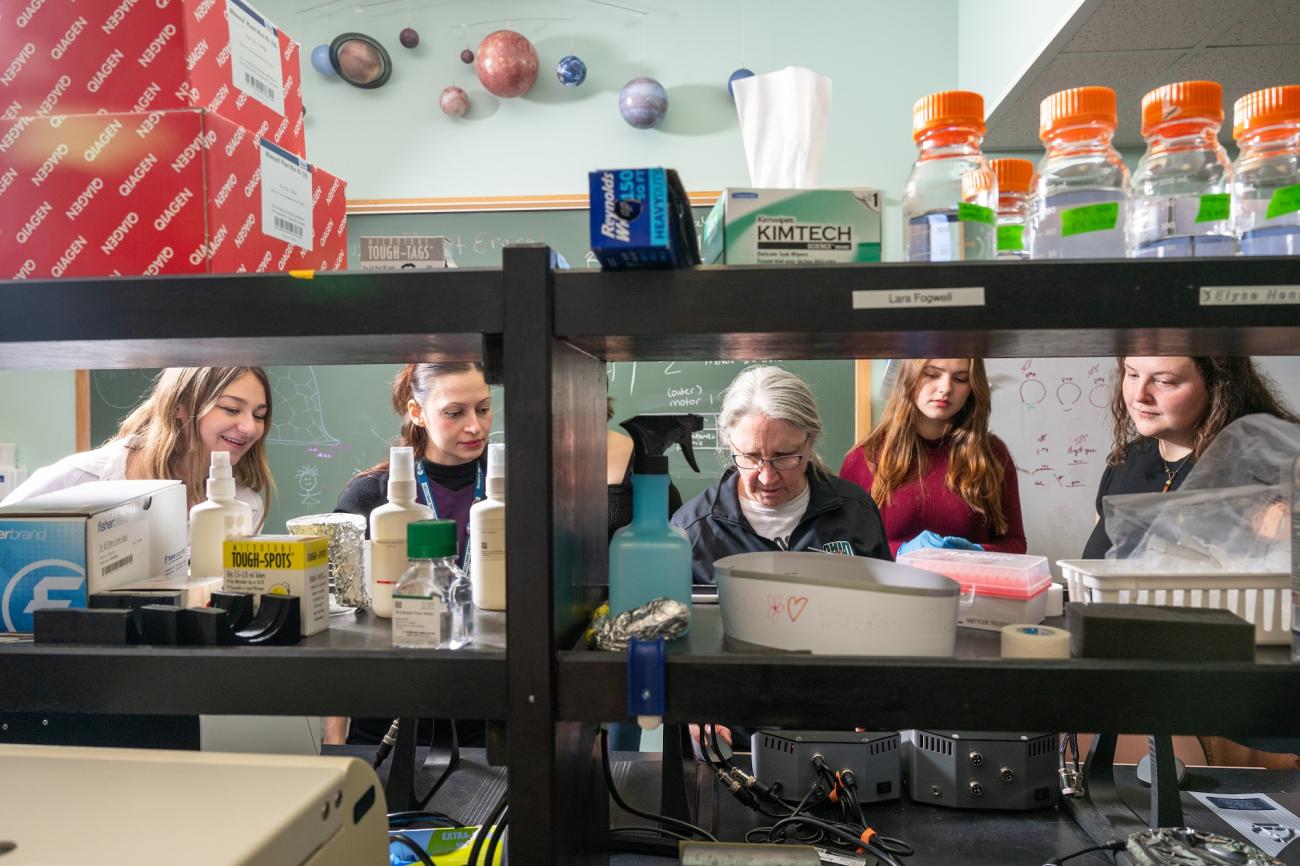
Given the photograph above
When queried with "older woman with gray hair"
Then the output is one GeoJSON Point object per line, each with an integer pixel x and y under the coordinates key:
{"type": "Point", "coordinates": [776, 493]}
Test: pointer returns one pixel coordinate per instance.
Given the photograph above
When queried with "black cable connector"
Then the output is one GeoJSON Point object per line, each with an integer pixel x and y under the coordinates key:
{"type": "Point", "coordinates": [386, 745]}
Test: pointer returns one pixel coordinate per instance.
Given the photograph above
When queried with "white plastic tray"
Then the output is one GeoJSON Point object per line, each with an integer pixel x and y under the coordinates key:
{"type": "Point", "coordinates": [1262, 599]}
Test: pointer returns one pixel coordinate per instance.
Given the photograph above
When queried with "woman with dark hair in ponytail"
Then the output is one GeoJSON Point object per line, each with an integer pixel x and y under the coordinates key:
{"type": "Point", "coordinates": [446, 412]}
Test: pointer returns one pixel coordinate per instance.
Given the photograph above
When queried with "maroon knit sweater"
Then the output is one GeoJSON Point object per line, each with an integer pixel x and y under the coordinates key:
{"type": "Point", "coordinates": [927, 503]}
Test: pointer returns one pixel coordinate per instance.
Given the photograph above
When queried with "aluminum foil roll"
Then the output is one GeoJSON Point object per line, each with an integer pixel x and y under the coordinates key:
{"type": "Point", "coordinates": [659, 617]}
{"type": "Point", "coordinates": [345, 533]}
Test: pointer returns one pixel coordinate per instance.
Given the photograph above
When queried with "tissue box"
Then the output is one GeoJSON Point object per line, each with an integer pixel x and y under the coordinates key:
{"type": "Point", "coordinates": [285, 564]}
{"type": "Point", "coordinates": [61, 57]}
{"type": "Point", "coordinates": [168, 192]}
{"type": "Point", "coordinates": [793, 227]}
{"type": "Point", "coordinates": [59, 548]}
{"type": "Point", "coordinates": [641, 218]}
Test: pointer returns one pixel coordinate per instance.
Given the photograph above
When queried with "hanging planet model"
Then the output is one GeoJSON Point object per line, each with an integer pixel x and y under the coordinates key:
{"type": "Point", "coordinates": [409, 37]}
{"type": "Point", "coordinates": [320, 61]}
{"type": "Point", "coordinates": [453, 101]}
{"type": "Point", "coordinates": [740, 73]}
{"type": "Point", "coordinates": [643, 102]}
{"type": "Point", "coordinates": [571, 71]}
{"type": "Point", "coordinates": [506, 63]}
{"type": "Point", "coordinates": [467, 56]}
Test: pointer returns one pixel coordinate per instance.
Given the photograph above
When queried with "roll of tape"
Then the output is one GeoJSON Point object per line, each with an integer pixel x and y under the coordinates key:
{"type": "Point", "coordinates": [1035, 642]}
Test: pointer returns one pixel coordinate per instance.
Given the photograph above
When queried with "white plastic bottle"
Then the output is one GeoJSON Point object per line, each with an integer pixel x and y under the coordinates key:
{"type": "Point", "coordinates": [1079, 203]}
{"type": "Point", "coordinates": [386, 558]}
{"type": "Point", "coordinates": [487, 532]}
{"type": "Point", "coordinates": [220, 517]}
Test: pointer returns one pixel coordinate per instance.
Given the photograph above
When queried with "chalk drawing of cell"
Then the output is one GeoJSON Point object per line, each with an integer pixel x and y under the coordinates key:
{"type": "Point", "coordinates": [296, 411]}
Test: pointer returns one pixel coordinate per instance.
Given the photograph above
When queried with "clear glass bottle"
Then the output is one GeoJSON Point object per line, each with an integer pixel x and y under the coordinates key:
{"type": "Point", "coordinates": [1266, 190]}
{"type": "Point", "coordinates": [951, 197]}
{"type": "Point", "coordinates": [431, 602]}
{"type": "Point", "coordinates": [1078, 206]}
{"type": "Point", "coordinates": [1014, 177]}
{"type": "Point", "coordinates": [1182, 185]}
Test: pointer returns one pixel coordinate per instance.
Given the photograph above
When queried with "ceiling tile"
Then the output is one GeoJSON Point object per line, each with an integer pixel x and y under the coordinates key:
{"type": "Point", "coordinates": [1272, 22]}
{"type": "Point", "coordinates": [1135, 25]}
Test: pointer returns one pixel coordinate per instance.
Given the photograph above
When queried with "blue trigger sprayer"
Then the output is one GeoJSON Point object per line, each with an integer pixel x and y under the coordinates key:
{"type": "Point", "coordinates": [649, 557]}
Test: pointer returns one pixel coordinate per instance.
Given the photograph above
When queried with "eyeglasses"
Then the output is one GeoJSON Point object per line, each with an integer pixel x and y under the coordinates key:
{"type": "Point", "coordinates": [781, 463]}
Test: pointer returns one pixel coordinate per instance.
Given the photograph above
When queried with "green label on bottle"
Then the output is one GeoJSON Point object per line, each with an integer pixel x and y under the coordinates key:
{"type": "Point", "coordinates": [1089, 218]}
{"type": "Point", "coordinates": [1011, 238]}
{"type": "Point", "coordinates": [1285, 200]}
{"type": "Point", "coordinates": [974, 213]}
{"type": "Point", "coordinates": [1213, 208]}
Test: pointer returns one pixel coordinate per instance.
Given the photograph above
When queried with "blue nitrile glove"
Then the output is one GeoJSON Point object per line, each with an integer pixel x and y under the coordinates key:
{"type": "Point", "coordinates": [922, 541]}
{"type": "Point", "coordinates": [954, 542]}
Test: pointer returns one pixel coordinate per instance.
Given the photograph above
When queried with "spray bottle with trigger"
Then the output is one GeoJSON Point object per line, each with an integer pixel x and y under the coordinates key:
{"type": "Point", "coordinates": [650, 557]}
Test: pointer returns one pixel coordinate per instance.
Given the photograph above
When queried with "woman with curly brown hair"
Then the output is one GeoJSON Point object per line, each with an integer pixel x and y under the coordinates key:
{"type": "Point", "coordinates": [940, 478]}
{"type": "Point", "coordinates": [1166, 412]}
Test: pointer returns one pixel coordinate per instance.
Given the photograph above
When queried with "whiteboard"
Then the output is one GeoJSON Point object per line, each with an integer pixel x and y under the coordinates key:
{"type": "Point", "coordinates": [1053, 415]}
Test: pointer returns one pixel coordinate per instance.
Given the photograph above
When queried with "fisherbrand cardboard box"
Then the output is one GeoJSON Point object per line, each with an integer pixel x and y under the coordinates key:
{"type": "Point", "coordinates": [59, 548]}
{"type": "Point", "coordinates": [164, 192]}
{"type": "Point", "coordinates": [69, 57]}
{"type": "Point", "coordinates": [793, 227]}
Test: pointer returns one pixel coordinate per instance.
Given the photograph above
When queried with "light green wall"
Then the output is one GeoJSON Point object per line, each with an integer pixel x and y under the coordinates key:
{"type": "Point", "coordinates": [394, 143]}
{"type": "Point", "coordinates": [999, 39]}
{"type": "Point", "coordinates": [39, 415]}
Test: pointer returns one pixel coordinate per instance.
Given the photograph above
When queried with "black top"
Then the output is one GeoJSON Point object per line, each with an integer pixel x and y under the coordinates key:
{"type": "Point", "coordinates": [841, 518]}
{"type": "Point", "coordinates": [620, 501]}
{"type": "Point", "coordinates": [1143, 471]}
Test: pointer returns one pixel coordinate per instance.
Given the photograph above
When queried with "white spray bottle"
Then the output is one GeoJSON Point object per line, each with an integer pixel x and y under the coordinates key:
{"type": "Point", "coordinates": [221, 517]}
{"type": "Point", "coordinates": [386, 558]}
{"type": "Point", "coordinates": [487, 533]}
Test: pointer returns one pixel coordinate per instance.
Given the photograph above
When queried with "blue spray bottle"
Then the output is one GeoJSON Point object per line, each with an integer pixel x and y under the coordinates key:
{"type": "Point", "coordinates": [650, 557]}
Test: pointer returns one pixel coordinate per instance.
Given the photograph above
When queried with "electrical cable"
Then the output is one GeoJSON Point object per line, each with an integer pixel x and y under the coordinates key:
{"type": "Point", "coordinates": [406, 840]}
{"type": "Point", "coordinates": [385, 745]}
{"type": "Point", "coordinates": [406, 819]}
{"type": "Point", "coordinates": [496, 837]}
{"type": "Point", "coordinates": [622, 804]}
{"type": "Point", "coordinates": [1115, 845]}
{"type": "Point", "coordinates": [654, 831]}
{"type": "Point", "coordinates": [481, 836]}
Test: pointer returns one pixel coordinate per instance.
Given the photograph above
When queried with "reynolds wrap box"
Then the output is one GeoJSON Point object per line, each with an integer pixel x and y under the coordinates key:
{"type": "Point", "coordinates": [641, 218]}
{"type": "Point", "coordinates": [286, 565]}
{"type": "Point", "coordinates": [167, 192]}
{"type": "Point", "coordinates": [59, 548]}
{"type": "Point", "coordinates": [793, 227]}
{"type": "Point", "coordinates": [69, 57]}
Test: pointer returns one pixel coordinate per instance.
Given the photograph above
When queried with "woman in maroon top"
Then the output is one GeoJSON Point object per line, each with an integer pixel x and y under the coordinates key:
{"type": "Point", "coordinates": [937, 474]}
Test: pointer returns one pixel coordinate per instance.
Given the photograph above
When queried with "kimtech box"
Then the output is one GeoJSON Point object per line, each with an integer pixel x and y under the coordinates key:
{"type": "Point", "coordinates": [63, 57]}
{"type": "Point", "coordinates": [59, 548]}
{"type": "Point", "coordinates": [793, 227]}
{"type": "Point", "coordinates": [641, 218]}
{"type": "Point", "coordinates": [286, 565]}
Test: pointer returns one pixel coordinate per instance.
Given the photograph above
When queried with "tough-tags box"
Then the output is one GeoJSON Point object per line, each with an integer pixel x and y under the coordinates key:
{"type": "Point", "coordinates": [793, 227]}
{"type": "Point", "coordinates": [59, 548]}
{"type": "Point", "coordinates": [641, 218]}
{"type": "Point", "coordinates": [164, 192]}
{"type": "Point", "coordinates": [284, 564]}
{"type": "Point", "coordinates": [68, 57]}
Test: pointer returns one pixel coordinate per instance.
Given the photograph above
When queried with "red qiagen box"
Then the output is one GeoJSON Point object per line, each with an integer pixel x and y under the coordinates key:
{"type": "Point", "coordinates": [68, 57]}
{"type": "Point", "coordinates": [168, 192]}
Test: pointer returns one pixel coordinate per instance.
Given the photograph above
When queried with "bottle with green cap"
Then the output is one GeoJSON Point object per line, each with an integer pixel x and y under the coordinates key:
{"type": "Point", "coordinates": [430, 601]}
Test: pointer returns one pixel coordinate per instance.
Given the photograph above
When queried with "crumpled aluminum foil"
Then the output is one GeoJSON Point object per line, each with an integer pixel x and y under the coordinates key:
{"type": "Point", "coordinates": [345, 533]}
{"type": "Point", "coordinates": [1193, 847]}
{"type": "Point", "coordinates": [659, 617]}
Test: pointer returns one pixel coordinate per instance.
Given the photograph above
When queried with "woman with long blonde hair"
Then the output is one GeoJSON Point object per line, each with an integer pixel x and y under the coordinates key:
{"type": "Point", "coordinates": [940, 478]}
{"type": "Point", "coordinates": [189, 413]}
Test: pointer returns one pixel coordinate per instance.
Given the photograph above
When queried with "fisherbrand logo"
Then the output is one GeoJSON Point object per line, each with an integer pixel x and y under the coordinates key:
{"type": "Point", "coordinates": [42, 584]}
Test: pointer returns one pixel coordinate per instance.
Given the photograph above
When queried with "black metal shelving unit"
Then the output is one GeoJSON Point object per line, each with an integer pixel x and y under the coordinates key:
{"type": "Point", "coordinates": [546, 336]}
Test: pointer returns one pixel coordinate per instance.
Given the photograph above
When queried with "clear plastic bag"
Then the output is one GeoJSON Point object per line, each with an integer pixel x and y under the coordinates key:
{"type": "Point", "coordinates": [1231, 515]}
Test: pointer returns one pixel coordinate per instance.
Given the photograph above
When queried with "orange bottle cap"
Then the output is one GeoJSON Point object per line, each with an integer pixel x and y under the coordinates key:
{"type": "Point", "coordinates": [1184, 100]}
{"type": "Point", "coordinates": [1077, 106]}
{"type": "Point", "coordinates": [1265, 108]}
{"type": "Point", "coordinates": [947, 108]}
{"type": "Point", "coordinates": [1013, 174]}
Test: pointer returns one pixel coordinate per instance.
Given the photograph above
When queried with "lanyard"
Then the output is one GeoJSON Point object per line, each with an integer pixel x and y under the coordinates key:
{"type": "Point", "coordinates": [422, 479]}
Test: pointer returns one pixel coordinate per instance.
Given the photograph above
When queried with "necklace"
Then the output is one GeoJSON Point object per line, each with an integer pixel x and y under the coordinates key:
{"type": "Point", "coordinates": [1171, 472]}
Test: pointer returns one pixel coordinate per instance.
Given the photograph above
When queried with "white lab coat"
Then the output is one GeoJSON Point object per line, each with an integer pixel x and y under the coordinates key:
{"type": "Point", "coordinates": [107, 463]}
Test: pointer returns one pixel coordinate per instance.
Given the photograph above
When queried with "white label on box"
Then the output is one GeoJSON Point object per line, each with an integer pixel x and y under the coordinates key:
{"type": "Point", "coordinates": [1257, 818]}
{"type": "Point", "coordinates": [255, 56]}
{"type": "Point", "coordinates": [892, 299]}
{"type": "Point", "coordinates": [417, 622]}
{"type": "Point", "coordinates": [1248, 296]}
{"type": "Point", "coordinates": [286, 196]}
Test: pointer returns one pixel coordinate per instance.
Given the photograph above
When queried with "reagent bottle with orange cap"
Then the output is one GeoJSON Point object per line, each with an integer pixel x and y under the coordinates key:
{"type": "Point", "coordinates": [1013, 176]}
{"type": "Point", "coordinates": [1266, 190]}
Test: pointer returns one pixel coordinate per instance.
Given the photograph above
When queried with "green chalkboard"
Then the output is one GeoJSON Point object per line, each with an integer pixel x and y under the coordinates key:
{"type": "Point", "coordinates": [331, 421]}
